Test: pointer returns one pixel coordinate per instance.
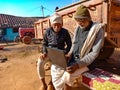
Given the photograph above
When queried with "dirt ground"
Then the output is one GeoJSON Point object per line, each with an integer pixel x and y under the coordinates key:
{"type": "Point", "coordinates": [19, 71]}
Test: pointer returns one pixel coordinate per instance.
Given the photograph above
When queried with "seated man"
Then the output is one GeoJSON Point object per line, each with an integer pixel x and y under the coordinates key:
{"type": "Point", "coordinates": [56, 37]}
{"type": "Point", "coordinates": [87, 42]}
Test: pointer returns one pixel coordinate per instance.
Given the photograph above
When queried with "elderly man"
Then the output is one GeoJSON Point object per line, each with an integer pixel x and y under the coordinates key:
{"type": "Point", "coordinates": [56, 37]}
{"type": "Point", "coordinates": [87, 42]}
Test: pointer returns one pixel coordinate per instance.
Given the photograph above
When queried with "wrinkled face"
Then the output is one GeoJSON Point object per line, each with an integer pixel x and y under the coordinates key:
{"type": "Point", "coordinates": [56, 27]}
{"type": "Point", "coordinates": [83, 22]}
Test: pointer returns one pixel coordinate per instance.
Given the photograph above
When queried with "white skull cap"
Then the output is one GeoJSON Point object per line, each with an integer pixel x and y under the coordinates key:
{"type": "Point", "coordinates": [56, 18]}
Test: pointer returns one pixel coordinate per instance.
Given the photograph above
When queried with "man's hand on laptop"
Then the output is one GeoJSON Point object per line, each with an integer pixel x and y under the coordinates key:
{"type": "Point", "coordinates": [72, 68]}
{"type": "Point", "coordinates": [43, 56]}
{"type": "Point", "coordinates": [68, 56]}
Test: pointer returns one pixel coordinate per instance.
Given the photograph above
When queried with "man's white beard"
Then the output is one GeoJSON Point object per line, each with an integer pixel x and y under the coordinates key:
{"type": "Point", "coordinates": [83, 28]}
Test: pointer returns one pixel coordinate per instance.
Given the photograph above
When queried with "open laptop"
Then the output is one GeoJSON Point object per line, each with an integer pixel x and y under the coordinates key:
{"type": "Point", "coordinates": [57, 57]}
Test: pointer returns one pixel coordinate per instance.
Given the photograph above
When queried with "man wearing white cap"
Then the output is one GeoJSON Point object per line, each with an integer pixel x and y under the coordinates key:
{"type": "Point", "coordinates": [87, 42]}
{"type": "Point", "coordinates": [56, 37]}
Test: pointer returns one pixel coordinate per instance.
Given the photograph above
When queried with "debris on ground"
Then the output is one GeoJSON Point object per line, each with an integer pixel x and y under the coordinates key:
{"type": "Point", "coordinates": [3, 58]}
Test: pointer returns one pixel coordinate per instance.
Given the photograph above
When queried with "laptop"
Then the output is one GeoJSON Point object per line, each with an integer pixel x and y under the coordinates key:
{"type": "Point", "coordinates": [57, 57]}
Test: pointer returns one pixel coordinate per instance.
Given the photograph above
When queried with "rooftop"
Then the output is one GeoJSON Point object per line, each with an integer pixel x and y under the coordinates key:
{"type": "Point", "coordinates": [16, 21]}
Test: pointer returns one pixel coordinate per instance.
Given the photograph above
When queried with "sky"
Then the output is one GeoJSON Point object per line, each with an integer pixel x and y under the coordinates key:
{"type": "Point", "coordinates": [32, 8]}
